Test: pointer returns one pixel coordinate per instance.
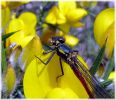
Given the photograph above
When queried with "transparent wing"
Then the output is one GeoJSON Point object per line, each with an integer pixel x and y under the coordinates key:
{"type": "Point", "coordinates": [94, 86]}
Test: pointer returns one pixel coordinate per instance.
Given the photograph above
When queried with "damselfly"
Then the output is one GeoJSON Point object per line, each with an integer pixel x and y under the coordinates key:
{"type": "Point", "coordinates": [90, 83]}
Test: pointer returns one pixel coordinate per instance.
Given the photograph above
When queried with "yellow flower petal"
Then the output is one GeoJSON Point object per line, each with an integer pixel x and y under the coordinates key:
{"type": "Point", "coordinates": [26, 40]}
{"type": "Point", "coordinates": [103, 28]}
{"type": "Point", "coordinates": [55, 16]}
{"type": "Point", "coordinates": [5, 16]}
{"type": "Point", "coordinates": [61, 93]}
{"type": "Point", "coordinates": [4, 4]}
{"type": "Point", "coordinates": [65, 28]}
{"type": "Point", "coordinates": [29, 19]}
{"type": "Point", "coordinates": [112, 75]}
{"type": "Point", "coordinates": [33, 48]}
{"type": "Point", "coordinates": [110, 41]}
{"type": "Point", "coordinates": [10, 79]}
{"type": "Point", "coordinates": [76, 14]}
{"type": "Point", "coordinates": [26, 25]}
{"type": "Point", "coordinates": [16, 25]}
{"type": "Point", "coordinates": [71, 40]}
{"type": "Point", "coordinates": [77, 24]}
{"type": "Point", "coordinates": [38, 84]}
{"type": "Point", "coordinates": [66, 7]}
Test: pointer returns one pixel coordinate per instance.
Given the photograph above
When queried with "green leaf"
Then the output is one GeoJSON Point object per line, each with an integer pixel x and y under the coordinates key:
{"type": "Point", "coordinates": [98, 60]}
{"type": "Point", "coordinates": [5, 36]}
{"type": "Point", "coordinates": [4, 63]}
{"type": "Point", "coordinates": [106, 83]}
{"type": "Point", "coordinates": [109, 68]}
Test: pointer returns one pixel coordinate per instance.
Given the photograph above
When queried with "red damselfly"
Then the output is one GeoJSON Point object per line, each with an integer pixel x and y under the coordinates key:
{"type": "Point", "coordinates": [90, 83]}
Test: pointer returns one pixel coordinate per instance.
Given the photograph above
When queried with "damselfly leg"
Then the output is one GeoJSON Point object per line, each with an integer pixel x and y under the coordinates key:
{"type": "Point", "coordinates": [45, 63]}
{"type": "Point", "coordinates": [62, 71]}
{"type": "Point", "coordinates": [48, 51]}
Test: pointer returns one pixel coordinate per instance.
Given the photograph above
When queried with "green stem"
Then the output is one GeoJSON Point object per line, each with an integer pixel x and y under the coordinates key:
{"type": "Point", "coordinates": [109, 68]}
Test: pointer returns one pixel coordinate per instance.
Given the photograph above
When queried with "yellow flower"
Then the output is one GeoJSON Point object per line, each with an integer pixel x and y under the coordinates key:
{"type": "Point", "coordinates": [40, 80]}
{"type": "Point", "coordinates": [13, 4]}
{"type": "Point", "coordinates": [86, 4]}
{"type": "Point", "coordinates": [9, 79]}
{"type": "Point", "coordinates": [66, 15]}
{"type": "Point", "coordinates": [55, 17]}
{"type": "Point", "coordinates": [104, 28]}
{"type": "Point", "coordinates": [71, 40]}
{"type": "Point", "coordinates": [5, 15]}
{"type": "Point", "coordinates": [112, 75]}
{"type": "Point", "coordinates": [4, 4]}
{"type": "Point", "coordinates": [34, 47]}
{"type": "Point", "coordinates": [7, 6]}
{"type": "Point", "coordinates": [25, 23]}
{"type": "Point", "coordinates": [61, 93]}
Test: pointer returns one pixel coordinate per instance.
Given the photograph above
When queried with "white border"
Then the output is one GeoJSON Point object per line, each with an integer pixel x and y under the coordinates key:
{"type": "Point", "coordinates": [57, 0]}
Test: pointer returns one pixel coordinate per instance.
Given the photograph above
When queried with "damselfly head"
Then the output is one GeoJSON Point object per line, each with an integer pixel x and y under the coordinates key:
{"type": "Point", "coordinates": [56, 40]}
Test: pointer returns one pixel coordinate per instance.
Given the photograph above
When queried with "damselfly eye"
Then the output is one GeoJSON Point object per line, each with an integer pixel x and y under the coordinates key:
{"type": "Point", "coordinates": [51, 41]}
{"type": "Point", "coordinates": [56, 40]}
{"type": "Point", "coordinates": [62, 40]}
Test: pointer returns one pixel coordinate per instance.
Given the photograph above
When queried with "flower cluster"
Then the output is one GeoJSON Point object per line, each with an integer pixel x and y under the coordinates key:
{"type": "Point", "coordinates": [66, 15]}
